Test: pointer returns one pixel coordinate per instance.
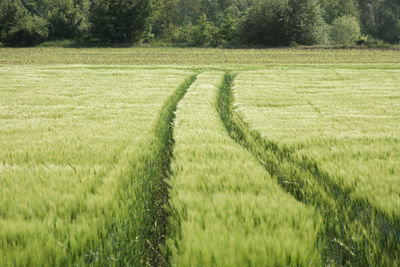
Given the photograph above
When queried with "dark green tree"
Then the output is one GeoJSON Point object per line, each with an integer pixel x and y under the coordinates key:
{"type": "Point", "coordinates": [30, 30]}
{"type": "Point", "coordinates": [18, 26]}
{"type": "Point", "coordinates": [184, 12]}
{"type": "Point", "coordinates": [203, 33]}
{"type": "Point", "coordinates": [339, 8]}
{"type": "Point", "coordinates": [387, 21]}
{"type": "Point", "coordinates": [345, 30]}
{"type": "Point", "coordinates": [66, 19]}
{"type": "Point", "coordinates": [367, 16]}
{"type": "Point", "coordinates": [266, 23]}
{"type": "Point", "coordinates": [306, 23]}
{"type": "Point", "coordinates": [282, 22]}
{"type": "Point", "coordinates": [118, 21]}
{"type": "Point", "coordinates": [227, 31]}
{"type": "Point", "coordinates": [35, 7]}
{"type": "Point", "coordinates": [11, 12]}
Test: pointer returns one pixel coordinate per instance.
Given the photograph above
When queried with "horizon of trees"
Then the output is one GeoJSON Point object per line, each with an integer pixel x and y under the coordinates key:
{"type": "Point", "coordinates": [201, 22]}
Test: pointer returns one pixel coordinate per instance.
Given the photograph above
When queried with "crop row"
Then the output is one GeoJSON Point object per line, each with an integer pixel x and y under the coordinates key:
{"type": "Point", "coordinates": [358, 229]}
{"type": "Point", "coordinates": [76, 144]}
{"type": "Point", "coordinates": [287, 166]}
{"type": "Point", "coordinates": [225, 210]}
{"type": "Point", "coordinates": [196, 56]}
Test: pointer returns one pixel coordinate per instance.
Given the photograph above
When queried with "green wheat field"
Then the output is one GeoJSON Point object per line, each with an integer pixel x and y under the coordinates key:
{"type": "Point", "coordinates": [199, 157]}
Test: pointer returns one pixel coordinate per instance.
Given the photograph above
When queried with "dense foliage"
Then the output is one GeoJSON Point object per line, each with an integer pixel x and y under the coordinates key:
{"type": "Point", "coordinates": [66, 19]}
{"type": "Point", "coordinates": [19, 27]}
{"type": "Point", "coordinates": [276, 22]}
{"type": "Point", "coordinates": [119, 21]}
{"type": "Point", "coordinates": [294, 164]}
{"type": "Point", "coordinates": [344, 30]}
{"type": "Point", "coordinates": [198, 22]}
{"type": "Point", "coordinates": [291, 118]}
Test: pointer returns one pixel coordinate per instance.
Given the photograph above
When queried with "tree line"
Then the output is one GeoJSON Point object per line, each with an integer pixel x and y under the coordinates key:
{"type": "Point", "coordinates": [201, 22]}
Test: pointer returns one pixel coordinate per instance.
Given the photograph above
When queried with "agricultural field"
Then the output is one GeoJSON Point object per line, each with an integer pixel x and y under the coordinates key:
{"type": "Point", "coordinates": [69, 136]}
{"type": "Point", "coordinates": [199, 157]}
{"type": "Point", "coordinates": [223, 58]}
{"type": "Point", "coordinates": [223, 200]}
{"type": "Point", "coordinates": [342, 125]}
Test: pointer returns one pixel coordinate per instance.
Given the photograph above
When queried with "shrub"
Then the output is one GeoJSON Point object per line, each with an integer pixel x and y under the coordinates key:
{"type": "Point", "coordinates": [119, 21]}
{"type": "Point", "coordinates": [339, 8]}
{"type": "Point", "coordinates": [65, 20]}
{"type": "Point", "coordinates": [29, 31]}
{"type": "Point", "coordinates": [345, 30]}
{"type": "Point", "coordinates": [306, 24]}
{"type": "Point", "coordinates": [281, 22]}
{"type": "Point", "coordinates": [227, 31]}
{"type": "Point", "coordinates": [11, 12]}
{"type": "Point", "coordinates": [203, 33]}
{"type": "Point", "coordinates": [388, 21]}
{"type": "Point", "coordinates": [18, 27]}
{"type": "Point", "coordinates": [266, 23]}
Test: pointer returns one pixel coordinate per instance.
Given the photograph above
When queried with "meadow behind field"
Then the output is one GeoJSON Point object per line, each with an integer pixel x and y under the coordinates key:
{"type": "Point", "coordinates": [225, 58]}
{"type": "Point", "coordinates": [157, 156]}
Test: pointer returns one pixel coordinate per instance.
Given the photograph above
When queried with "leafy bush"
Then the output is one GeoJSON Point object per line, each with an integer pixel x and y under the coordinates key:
{"type": "Point", "coordinates": [371, 42]}
{"type": "Point", "coordinates": [227, 31]}
{"type": "Point", "coordinates": [18, 27]}
{"type": "Point", "coordinates": [29, 31]}
{"type": "Point", "coordinates": [266, 23]}
{"type": "Point", "coordinates": [281, 22]}
{"type": "Point", "coordinates": [339, 8]}
{"type": "Point", "coordinates": [206, 33]}
{"type": "Point", "coordinates": [203, 33]}
{"type": "Point", "coordinates": [119, 21]}
{"type": "Point", "coordinates": [10, 14]}
{"type": "Point", "coordinates": [388, 21]}
{"type": "Point", "coordinates": [306, 24]}
{"type": "Point", "coordinates": [65, 20]}
{"type": "Point", "coordinates": [345, 30]}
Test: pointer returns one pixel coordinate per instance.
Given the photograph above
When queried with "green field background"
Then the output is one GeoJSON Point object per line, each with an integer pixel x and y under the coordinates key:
{"type": "Point", "coordinates": [199, 157]}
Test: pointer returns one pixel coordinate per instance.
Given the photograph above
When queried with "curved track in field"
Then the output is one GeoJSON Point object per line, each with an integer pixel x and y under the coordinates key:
{"type": "Point", "coordinates": [138, 239]}
{"type": "Point", "coordinates": [225, 209]}
{"type": "Point", "coordinates": [356, 233]}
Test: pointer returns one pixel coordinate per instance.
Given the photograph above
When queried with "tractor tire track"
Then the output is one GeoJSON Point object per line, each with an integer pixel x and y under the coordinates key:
{"type": "Point", "coordinates": [158, 171]}
{"type": "Point", "coordinates": [356, 233]}
{"type": "Point", "coordinates": [138, 238]}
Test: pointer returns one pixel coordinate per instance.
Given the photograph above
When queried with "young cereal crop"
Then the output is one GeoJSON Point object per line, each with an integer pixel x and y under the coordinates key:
{"type": "Point", "coordinates": [291, 161]}
{"type": "Point", "coordinates": [331, 138]}
{"type": "Point", "coordinates": [72, 141]}
{"type": "Point", "coordinates": [225, 210]}
{"type": "Point", "coordinates": [196, 56]}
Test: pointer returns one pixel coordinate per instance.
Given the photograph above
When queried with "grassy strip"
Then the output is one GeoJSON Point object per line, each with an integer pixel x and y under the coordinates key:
{"type": "Point", "coordinates": [225, 209]}
{"type": "Point", "coordinates": [194, 56]}
{"type": "Point", "coordinates": [137, 236]}
{"type": "Point", "coordinates": [355, 232]}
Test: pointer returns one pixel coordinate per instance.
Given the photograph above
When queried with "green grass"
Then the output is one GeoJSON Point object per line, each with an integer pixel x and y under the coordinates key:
{"type": "Point", "coordinates": [194, 57]}
{"type": "Point", "coordinates": [276, 157]}
{"type": "Point", "coordinates": [137, 234]}
{"type": "Point", "coordinates": [337, 133]}
{"type": "Point", "coordinates": [346, 120]}
{"type": "Point", "coordinates": [68, 139]}
{"type": "Point", "coordinates": [225, 208]}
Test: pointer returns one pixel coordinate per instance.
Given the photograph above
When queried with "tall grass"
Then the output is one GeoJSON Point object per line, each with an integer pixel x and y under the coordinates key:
{"type": "Point", "coordinates": [195, 56]}
{"type": "Point", "coordinates": [345, 119]}
{"type": "Point", "coordinates": [225, 210]}
{"type": "Point", "coordinates": [71, 140]}
{"type": "Point", "coordinates": [301, 168]}
{"type": "Point", "coordinates": [359, 230]}
{"type": "Point", "coordinates": [137, 236]}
